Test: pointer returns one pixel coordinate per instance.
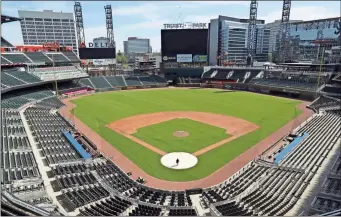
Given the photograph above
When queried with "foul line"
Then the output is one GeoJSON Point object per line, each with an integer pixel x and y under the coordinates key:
{"type": "Point", "coordinates": [141, 142]}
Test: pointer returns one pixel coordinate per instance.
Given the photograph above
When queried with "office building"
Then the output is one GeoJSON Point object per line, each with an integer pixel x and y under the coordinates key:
{"type": "Point", "coordinates": [262, 43]}
{"type": "Point", "coordinates": [153, 60]}
{"type": "Point", "coordinates": [136, 45]}
{"type": "Point", "coordinates": [228, 39]}
{"type": "Point", "coordinates": [314, 36]}
{"type": "Point", "coordinates": [274, 31]}
{"type": "Point", "coordinates": [307, 38]}
{"type": "Point", "coordinates": [39, 27]}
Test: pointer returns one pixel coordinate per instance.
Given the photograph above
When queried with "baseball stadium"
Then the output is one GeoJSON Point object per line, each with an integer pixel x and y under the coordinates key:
{"type": "Point", "coordinates": [189, 141]}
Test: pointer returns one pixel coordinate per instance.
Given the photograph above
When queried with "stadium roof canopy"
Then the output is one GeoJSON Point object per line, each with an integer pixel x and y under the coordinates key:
{"type": "Point", "coordinates": [7, 19]}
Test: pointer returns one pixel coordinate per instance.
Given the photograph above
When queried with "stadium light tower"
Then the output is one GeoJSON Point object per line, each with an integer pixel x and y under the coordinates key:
{"type": "Point", "coordinates": [79, 24]}
{"type": "Point", "coordinates": [251, 38]}
{"type": "Point", "coordinates": [109, 25]}
{"type": "Point", "coordinates": [284, 32]}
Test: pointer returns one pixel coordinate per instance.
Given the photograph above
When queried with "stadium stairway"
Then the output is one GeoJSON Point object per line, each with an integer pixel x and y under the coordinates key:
{"type": "Point", "coordinates": [124, 81]}
{"type": "Point", "coordinates": [17, 57]}
{"type": "Point", "coordinates": [196, 199]}
{"type": "Point", "coordinates": [9, 74]}
{"type": "Point", "coordinates": [302, 206]}
{"type": "Point", "coordinates": [6, 60]}
{"type": "Point", "coordinates": [103, 183]}
{"type": "Point", "coordinates": [38, 57]}
{"type": "Point", "coordinates": [28, 57]}
{"type": "Point", "coordinates": [107, 81]}
{"type": "Point", "coordinates": [41, 165]}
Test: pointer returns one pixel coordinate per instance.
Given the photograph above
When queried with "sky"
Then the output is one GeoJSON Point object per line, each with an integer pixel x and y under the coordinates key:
{"type": "Point", "coordinates": [145, 19]}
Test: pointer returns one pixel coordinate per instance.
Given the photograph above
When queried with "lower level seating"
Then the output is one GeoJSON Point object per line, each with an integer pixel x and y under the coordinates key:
{"type": "Point", "coordinates": [78, 197]}
{"type": "Point", "coordinates": [113, 206]}
{"type": "Point", "coordinates": [324, 101]}
{"type": "Point", "coordinates": [143, 210]}
{"type": "Point", "coordinates": [182, 212]}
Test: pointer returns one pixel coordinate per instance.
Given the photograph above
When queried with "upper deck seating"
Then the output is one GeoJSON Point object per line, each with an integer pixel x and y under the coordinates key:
{"type": "Point", "coordinates": [38, 57]}
{"type": "Point", "coordinates": [16, 57]}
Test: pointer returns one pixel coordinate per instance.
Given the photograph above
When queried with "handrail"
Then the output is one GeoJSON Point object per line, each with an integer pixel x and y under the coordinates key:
{"type": "Point", "coordinates": [19, 202]}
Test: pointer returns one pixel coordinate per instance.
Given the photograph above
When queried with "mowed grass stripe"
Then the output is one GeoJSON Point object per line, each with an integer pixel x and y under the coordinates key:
{"type": "Point", "coordinates": [200, 136]}
{"type": "Point", "coordinates": [270, 113]}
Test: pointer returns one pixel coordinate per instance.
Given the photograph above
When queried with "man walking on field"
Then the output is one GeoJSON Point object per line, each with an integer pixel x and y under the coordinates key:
{"type": "Point", "coordinates": [177, 161]}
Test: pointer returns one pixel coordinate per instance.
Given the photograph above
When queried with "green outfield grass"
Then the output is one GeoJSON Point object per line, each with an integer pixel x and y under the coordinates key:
{"type": "Point", "coordinates": [200, 135]}
{"type": "Point", "coordinates": [268, 112]}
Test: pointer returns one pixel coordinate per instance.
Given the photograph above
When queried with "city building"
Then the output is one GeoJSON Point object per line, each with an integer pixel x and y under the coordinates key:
{"type": "Point", "coordinates": [315, 36]}
{"type": "Point", "coordinates": [333, 55]}
{"type": "Point", "coordinates": [148, 61]}
{"type": "Point", "coordinates": [228, 40]}
{"type": "Point", "coordinates": [136, 45]}
{"type": "Point", "coordinates": [308, 39]}
{"type": "Point", "coordinates": [274, 30]}
{"type": "Point", "coordinates": [39, 27]}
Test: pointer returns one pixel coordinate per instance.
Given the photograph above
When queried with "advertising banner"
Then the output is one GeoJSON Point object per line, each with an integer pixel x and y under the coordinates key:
{"type": "Point", "coordinates": [103, 62]}
{"type": "Point", "coordinates": [199, 58]}
{"type": "Point", "coordinates": [184, 58]}
{"type": "Point", "coordinates": [168, 59]}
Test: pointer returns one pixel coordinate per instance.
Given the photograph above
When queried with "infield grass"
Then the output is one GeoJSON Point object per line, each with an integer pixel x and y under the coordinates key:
{"type": "Point", "coordinates": [200, 136]}
{"type": "Point", "coordinates": [268, 112]}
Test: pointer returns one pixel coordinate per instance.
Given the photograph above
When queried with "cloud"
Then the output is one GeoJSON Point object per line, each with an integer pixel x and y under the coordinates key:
{"type": "Point", "coordinates": [155, 42]}
{"type": "Point", "coordinates": [95, 32]}
{"type": "Point", "coordinates": [10, 11]}
{"type": "Point", "coordinates": [245, 3]}
{"type": "Point", "coordinates": [121, 34]}
{"type": "Point", "coordinates": [64, 6]}
{"type": "Point", "coordinates": [200, 18]}
{"type": "Point", "coordinates": [135, 10]}
{"type": "Point", "coordinates": [154, 24]}
{"type": "Point", "coordinates": [13, 7]}
{"type": "Point", "coordinates": [302, 13]}
{"type": "Point", "coordinates": [12, 33]}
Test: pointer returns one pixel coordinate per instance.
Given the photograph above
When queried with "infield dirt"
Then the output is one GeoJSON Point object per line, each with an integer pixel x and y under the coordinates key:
{"type": "Point", "coordinates": [181, 134]}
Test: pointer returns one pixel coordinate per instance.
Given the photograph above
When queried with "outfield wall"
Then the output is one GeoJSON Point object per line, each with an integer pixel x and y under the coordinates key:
{"type": "Point", "coordinates": [131, 87]}
{"type": "Point", "coordinates": [271, 90]}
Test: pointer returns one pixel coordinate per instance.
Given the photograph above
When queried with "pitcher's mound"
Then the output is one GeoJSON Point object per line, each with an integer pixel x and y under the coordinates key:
{"type": "Point", "coordinates": [180, 134]}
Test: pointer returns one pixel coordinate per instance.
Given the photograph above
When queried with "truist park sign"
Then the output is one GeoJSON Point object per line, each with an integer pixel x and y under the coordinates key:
{"type": "Point", "coordinates": [185, 26]}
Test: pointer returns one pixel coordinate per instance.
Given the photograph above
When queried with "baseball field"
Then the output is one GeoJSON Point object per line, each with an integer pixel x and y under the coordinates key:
{"type": "Point", "coordinates": [214, 125]}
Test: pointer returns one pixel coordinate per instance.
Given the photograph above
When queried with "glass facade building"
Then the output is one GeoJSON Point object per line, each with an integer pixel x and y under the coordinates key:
{"type": "Point", "coordinates": [307, 37]}
{"type": "Point", "coordinates": [136, 45]}
{"type": "Point", "coordinates": [274, 29]}
{"type": "Point", "coordinates": [228, 39]}
{"type": "Point", "coordinates": [314, 37]}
